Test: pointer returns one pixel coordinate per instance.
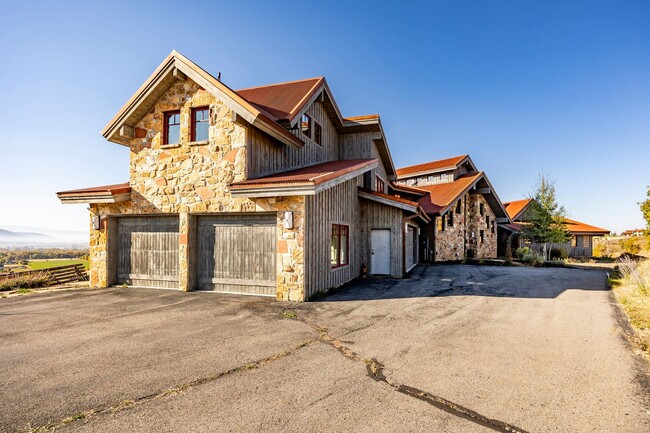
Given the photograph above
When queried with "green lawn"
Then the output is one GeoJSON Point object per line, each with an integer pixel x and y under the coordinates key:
{"type": "Point", "coordinates": [51, 263]}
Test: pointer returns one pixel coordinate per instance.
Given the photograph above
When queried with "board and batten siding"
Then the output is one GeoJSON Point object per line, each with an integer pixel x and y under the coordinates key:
{"type": "Point", "coordinates": [267, 156]}
{"type": "Point", "coordinates": [360, 145]}
{"type": "Point", "coordinates": [337, 205]}
{"type": "Point", "coordinates": [378, 216]}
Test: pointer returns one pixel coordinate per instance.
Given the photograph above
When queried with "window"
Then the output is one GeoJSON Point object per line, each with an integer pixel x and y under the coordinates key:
{"type": "Point", "coordinates": [440, 222]}
{"type": "Point", "coordinates": [305, 125]}
{"type": "Point", "coordinates": [450, 219]}
{"type": "Point", "coordinates": [574, 241]}
{"type": "Point", "coordinates": [481, 208]}
{"type": "Point", "coordinates": [340, 245]}
{"type": "Point", "coordinates": [379, 184]}
{"type": "Point", "coordinates": [482, 235]}
{"type": "Point", "coordinates": [318, 133]}
{"type": "Point", "coordinates": [459, 207]}
{"type": "Point", "coordinates": [487, 220]}
{"type": "Point", "coordinates": [200, 124]}
{"type": "Point", "coordinates": [172, 130]}
{"type": "Point", "coordinates": [493, 226]}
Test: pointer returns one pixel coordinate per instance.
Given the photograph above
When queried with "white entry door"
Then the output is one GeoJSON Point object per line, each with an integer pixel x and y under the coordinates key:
{"type": "Point", "coordinates": [380, 251]}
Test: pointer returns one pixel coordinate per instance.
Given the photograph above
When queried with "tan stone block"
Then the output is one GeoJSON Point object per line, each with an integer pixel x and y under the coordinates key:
{"type": "Point", "coordinates": [205, 193]}
{"type": "Point", "coordinates": [282, 247]}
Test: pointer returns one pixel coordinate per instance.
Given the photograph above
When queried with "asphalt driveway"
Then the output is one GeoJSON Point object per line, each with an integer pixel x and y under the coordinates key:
{"type": "Point", "coordinates": [451, 349]}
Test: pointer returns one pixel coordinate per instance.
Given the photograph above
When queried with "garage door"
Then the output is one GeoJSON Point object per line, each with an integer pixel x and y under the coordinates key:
{"type": "Point", "coordinates": [147, 251]}
{"type": "Point", "coordinates": [237, 254]}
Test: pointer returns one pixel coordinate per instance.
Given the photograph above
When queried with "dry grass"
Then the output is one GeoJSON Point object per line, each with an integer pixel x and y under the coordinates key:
{"type": "Point", "coordinates": [632, 290]}
{"type": "Point", "coordinates": [30, 281]}
{"type": "Point", "coordinates": [614, 247]}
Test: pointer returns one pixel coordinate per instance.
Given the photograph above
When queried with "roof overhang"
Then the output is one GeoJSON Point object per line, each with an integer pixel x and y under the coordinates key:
{"type": "Point", "coordinates": [461, 162]}
{"type": "Point", "coordinates": [284, 189]}
{"type": "Point", "coordinates": [102, 194]}
{"type": "Point", "coordinates": [177, 67]}
{"type": "Point", "coordinates": [396, 202]}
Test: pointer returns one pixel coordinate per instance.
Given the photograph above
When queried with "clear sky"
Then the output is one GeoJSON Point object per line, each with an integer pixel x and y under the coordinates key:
{"type": "Point", "coordinates": [523, 87]}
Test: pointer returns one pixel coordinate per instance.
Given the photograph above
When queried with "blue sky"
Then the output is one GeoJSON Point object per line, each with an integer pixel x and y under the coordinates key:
{"type": "Point", "coordinates": [523, 87]}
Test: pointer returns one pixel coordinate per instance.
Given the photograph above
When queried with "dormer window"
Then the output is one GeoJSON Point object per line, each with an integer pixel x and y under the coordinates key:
{"type": "Point", "coordinates": [318, 133]}
{"type": "Point", "coordinates": [200, 124]}
{"type": "Point", "coordinates": [305, 125]}
{"type": "Point", "coordinates": [172, 129]}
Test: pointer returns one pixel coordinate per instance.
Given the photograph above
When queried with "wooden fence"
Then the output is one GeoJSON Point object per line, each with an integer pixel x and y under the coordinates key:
{"type": "Point", "coordinates": [567, 247]}
{"type": "Point", "coordinates": [58, 274]}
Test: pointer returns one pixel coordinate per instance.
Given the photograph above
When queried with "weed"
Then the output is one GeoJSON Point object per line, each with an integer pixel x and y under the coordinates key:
{"type": "Point", "coordinates": [74, 418]}
{"type": "Point", "coordinates": [631, 284]}
{"type": "Point", "coordinates": [30, 281]}
{"type": "Point", "coordinates": [289, 314]}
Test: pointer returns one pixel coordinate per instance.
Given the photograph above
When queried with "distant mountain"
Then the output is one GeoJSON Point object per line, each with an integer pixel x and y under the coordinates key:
{"type": "Point", "coordinates": [12, 236]}
{"type": "Point", "coordinates": [7, 235]}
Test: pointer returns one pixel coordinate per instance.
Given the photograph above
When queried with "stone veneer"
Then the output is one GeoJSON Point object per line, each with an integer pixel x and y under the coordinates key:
{"type": "Point", "coordinates": [450, 243]}
{"type": "Point", "coordinates": [187, 179]}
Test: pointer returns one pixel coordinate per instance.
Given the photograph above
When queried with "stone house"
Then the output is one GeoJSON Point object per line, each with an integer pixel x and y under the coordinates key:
{"type": "Point", "coordinates": [462, 204]}
{"type": "Point", "coordinates": [582, 235]}
{"type": "Point", "coordinates": [263, 191]}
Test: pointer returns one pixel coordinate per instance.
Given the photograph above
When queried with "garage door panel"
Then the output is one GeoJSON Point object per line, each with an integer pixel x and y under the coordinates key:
{"type": "Point", "coordinates": [147, 253]}
{"type": "Point", "coordinates": [237, 255]}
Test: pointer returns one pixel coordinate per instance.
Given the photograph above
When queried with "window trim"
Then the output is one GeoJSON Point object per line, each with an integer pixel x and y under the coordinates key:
{"type": "Point", "coordinates": [166, 116]}
{"type": "Point", "coordinates": [309, 125]}
{"type": "Point", "coordinates": [338, 249]}
{"type": "Point", "coordinates": [318, 133]}
{"type": "Point", "coordinates": [193, 122]}
{"type": "Point", "coordinates": [380, 181]}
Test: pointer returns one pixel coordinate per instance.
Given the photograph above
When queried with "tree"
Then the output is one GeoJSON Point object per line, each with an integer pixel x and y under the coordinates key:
{"type": "Point", "coordinates": [546, 221]}
{"type": "Point", "coordinates": [645, 209]}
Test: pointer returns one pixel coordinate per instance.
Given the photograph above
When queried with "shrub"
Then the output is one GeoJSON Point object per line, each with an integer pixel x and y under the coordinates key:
{"type": "Point", "coordinates": [631, 245]}
{"type": "Point", "coordinates": [529, 256]}
{"type": "Point", "coordinates": [29, 281]}
{"type": "Point", "coordinates": [559, 253]}
{"type": "Point", "coordinates": [600, 250]}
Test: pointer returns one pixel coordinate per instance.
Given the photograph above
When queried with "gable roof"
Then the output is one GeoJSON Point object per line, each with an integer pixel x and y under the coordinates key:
{"type": "Point", "coordinates": [303, 181]}
{"type": "Point", "coordinates": [394, 201]}
{"type": "Point", "coordinates": [577, 227]}
{"type": "Point", "coordinates": [434, 166]}
{"type": "Point", "coordinates": [441, 197]}
{"type": "Point", "coordinates": [98, 194]}
{"type": "Point", "coordinates": [516, 208]}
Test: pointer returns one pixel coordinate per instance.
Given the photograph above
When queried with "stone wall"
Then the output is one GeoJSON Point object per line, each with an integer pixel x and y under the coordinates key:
{"type": "Point", "coordinates": [477, 222]}
{"type": "Point", "coordinates": [450, 242]}
{"type": "Point", "coordinates": [192, 178]}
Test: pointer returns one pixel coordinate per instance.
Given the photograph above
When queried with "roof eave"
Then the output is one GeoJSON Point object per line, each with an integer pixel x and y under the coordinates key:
{"type": "Point", "coordinates": [93, 198]}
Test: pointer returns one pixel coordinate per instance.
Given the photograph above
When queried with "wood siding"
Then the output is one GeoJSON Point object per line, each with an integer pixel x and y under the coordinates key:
{"type": "Point", "coordinates": [337, 205]}
{"type": "Point", "coordinates": [147, 251]}
{"type": "Point", "coordinates": [378, 216]}
{"type": "Point", "coordinates": [237, 254]}
{"type": "Point", "coordinates": [268, 156]}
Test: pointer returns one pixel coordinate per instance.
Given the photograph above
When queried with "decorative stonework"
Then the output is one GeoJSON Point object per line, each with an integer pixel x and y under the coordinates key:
{"type": "Point", "coordinates": [192, 178]}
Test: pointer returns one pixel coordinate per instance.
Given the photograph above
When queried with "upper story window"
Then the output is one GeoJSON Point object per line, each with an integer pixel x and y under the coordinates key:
{"type": "Point", "coordinates": [200, 124]}
{"type": "Point", "coordinates": [172, 129]}
{"type": "Point", "coordinates": [340, 245]}
{"type": "Point", "coordinates": [318, 133]}
{"type": "Point", "coordinates": [379, 184]}
{"type": "Point", "coordinates": [305, 125]}
{"type": "Point", "coordinates": [481, 209]}
{"type": "Point", "coordinates": [459, 207]}
{"type": "Point", "coordinates": [450, 219]}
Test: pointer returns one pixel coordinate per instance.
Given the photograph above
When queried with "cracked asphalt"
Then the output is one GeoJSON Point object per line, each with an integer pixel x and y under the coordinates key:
{"type": "Point", "coordinates": [453, 348]}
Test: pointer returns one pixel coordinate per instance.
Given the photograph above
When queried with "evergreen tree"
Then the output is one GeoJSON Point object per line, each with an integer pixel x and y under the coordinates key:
{"type": "Point", "coordinates": [546, 222]}
{"type": "Point", "coordinates": [645, 209]}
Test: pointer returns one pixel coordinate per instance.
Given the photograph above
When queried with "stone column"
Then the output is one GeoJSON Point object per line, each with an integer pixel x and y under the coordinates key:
{"type": "Point", "coordinates": [184, 252]}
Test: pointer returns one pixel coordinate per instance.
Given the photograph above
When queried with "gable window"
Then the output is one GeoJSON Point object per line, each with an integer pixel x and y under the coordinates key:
{"type": "Point", "coordinates": [493, 226]}
{"type": "Point", "coordinates": [379, 184]}
{"type": "Point", "coordinates": [481, 208]}
{"type": "Point", "coordinates": [440, 223]}
{"type": "Point", "coordinates": [200, 124]}
{"type": "Point", "coordinates": [450, 219]}
{"type": "Point", "coordinates": [487, 220]}
{"type": "Point", "coordinates": [458, 207]}
{"type": "Point", "coordinates": [340, 245]}
{"type": "Point", "coordinates": [305, 125]}
{"type": "Point", "coordinates": [318, 133]}
{"type": "Point", "coordinates": [172, 129]}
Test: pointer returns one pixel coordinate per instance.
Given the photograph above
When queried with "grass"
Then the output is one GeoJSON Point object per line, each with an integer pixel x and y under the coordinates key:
{"type": "Point", "coordinates": [24, 283]}
{"type": "Point", "coordinates": [47, 263]}
{"type": "Point", "coordinates": [631, 286]}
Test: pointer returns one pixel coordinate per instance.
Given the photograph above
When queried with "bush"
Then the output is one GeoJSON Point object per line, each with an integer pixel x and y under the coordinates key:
{"type": "Point", "coordinates": [559, 253]}
{"type": "Point", "coordinates": [631, 245]}
{"type": "Point", "coordinates": [29, 281]}
{"type": "Point", "coordinates": [529, 256]}
{"type": "Point", "coordinates": [601, 250]}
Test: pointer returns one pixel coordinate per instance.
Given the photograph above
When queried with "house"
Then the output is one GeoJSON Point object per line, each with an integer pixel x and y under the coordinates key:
{"type": "Point", "coordinates": [633, 232]}
{"type": "Point", "coordinates": [264, 191]}
{"type": "Point", "coordinates": [462, 204]}
{"type": "Point", "coordinates": [582, 235]}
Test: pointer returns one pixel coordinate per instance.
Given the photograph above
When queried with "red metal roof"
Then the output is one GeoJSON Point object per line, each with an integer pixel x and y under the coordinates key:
{"type": "Point", "coordinates": [120, 188]}
{"type": "Point", "coordinates": [514, 208]}
{"type": "Point", "coordinates": [443, 195]}
{"type": "Point", "coordinates": [450, 163]}
{"type": "Point", "coordinates": [282, 100]}
{"type": "Point", "coordinates": [390, 197]}
{"type": "Point", "coordinates": [312, 175]}
{"type": "Point", "coordinates": [576, 227]}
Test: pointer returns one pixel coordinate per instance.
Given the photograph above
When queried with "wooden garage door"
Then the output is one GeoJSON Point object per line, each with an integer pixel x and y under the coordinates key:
{"type": "Point", "coordinates": [147, 251]}
{"type": "Point", "coordinates": [237, 254]}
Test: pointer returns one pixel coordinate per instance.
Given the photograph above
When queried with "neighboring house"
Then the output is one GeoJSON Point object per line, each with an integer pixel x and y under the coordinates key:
{"type": "Point", "coordinates": [582, 235]}
{"type": "Point", "coordinates": [462, 204]}
{"type": "Point", "coordinates": [261, 191]}
{"type": "Point", "coordinates": [633, 232]}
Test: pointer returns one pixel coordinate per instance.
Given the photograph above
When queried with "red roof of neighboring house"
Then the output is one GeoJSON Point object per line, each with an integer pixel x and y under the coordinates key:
{"type": "Point", "coordinates": [282, 100]}
{"type": "Point", "coordinates": [514, 208]}
{"type": "Point", "coordinates": [450, 163]}
{"type": "Point", "coordinates": [576, 227]}
{"type": "Point", "coordinates": [312, 175]}
{"type": "Point", "coordinates": [120, 188]}
{"type": "Point", "coordinates": [443, 195]}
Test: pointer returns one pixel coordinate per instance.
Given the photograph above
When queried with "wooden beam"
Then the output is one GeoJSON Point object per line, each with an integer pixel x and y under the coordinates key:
{"type": "Point", "coordinates": [482, 190]}
{"type": "Point", "coordinates": [127, 131]}
{"type": "Point", "coordinates": [502, 220]}
{"type": "Point", "coordinates": [179, 75]}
